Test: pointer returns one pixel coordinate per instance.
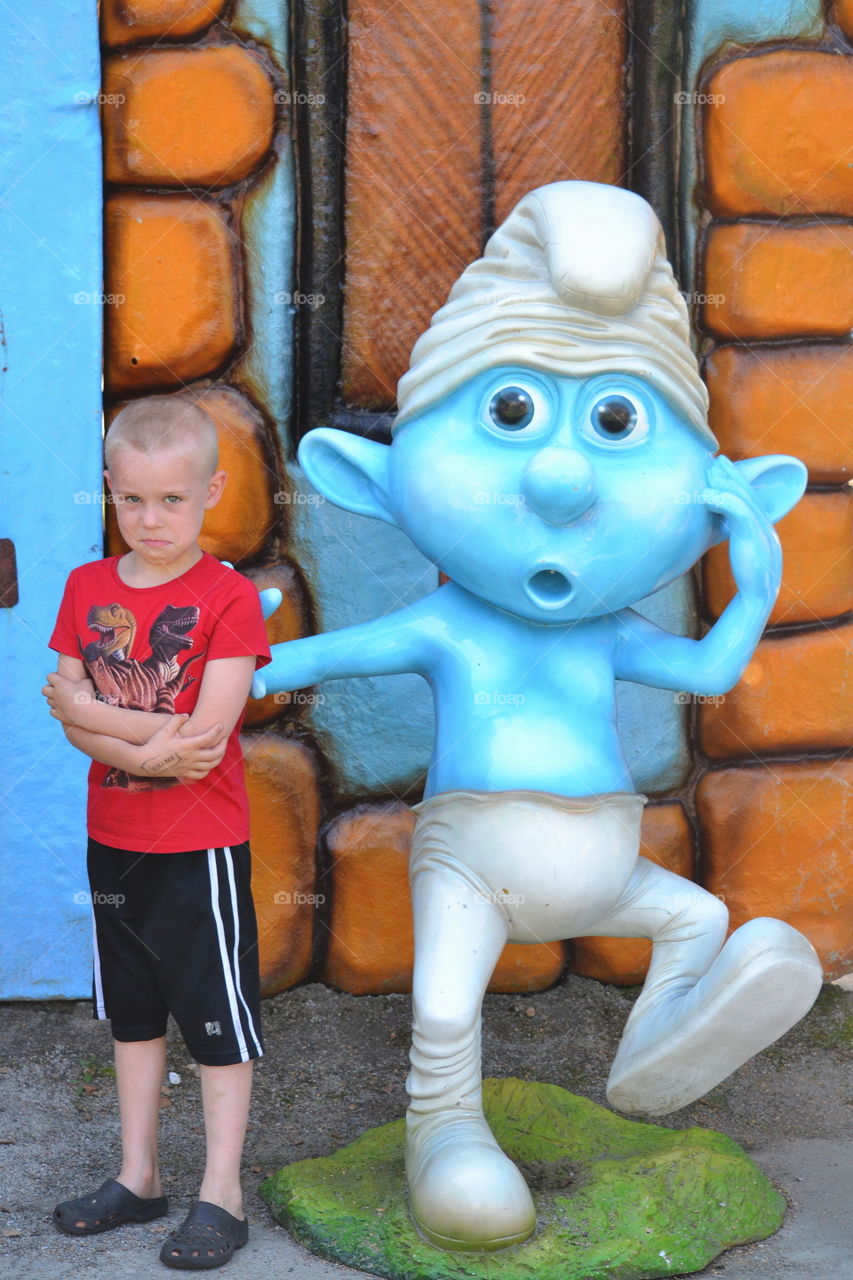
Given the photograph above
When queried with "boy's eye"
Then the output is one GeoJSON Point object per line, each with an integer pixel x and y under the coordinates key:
{"type": "Point", "coordinates": [511, 408]}
{"type": "Point", "coordinates": [173, 498]}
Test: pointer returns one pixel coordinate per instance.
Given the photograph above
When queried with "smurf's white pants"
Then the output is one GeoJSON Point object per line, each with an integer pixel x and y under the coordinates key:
{"type": "Point", "coordinates": [487, 868]}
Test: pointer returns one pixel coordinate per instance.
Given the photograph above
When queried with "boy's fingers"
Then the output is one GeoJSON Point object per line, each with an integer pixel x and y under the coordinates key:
{"type": "Point", "coordinates": [213, 733]}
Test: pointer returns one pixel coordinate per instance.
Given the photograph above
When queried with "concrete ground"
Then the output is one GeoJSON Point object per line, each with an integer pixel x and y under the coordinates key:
{"type": "Point", "coordinates": [335, 1065]}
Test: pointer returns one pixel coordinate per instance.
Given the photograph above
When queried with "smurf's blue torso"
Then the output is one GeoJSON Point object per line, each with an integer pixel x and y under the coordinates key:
{"type": "Point", "coordinates": [518, 705]}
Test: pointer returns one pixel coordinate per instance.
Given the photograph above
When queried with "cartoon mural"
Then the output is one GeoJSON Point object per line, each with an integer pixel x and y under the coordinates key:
{"type": "Point", "coordinates": [204, 115]}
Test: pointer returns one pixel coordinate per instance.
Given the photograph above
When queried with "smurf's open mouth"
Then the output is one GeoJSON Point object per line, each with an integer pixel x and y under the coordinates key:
{"type": "Point", "coordinates": [549, 588]}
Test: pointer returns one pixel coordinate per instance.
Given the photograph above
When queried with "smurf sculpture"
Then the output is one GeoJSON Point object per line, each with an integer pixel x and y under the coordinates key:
{"type": "Point", "coordinates": [552, 456]}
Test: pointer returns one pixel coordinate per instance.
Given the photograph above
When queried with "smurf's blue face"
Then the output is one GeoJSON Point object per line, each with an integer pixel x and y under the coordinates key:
{"type": "Point", "coordinates": [553, 498]}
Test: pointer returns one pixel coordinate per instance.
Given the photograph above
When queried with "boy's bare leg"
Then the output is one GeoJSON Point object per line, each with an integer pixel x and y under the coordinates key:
{"type": "Point", "coordinates": [226, 1093]}
{"type": "Point", "coordinates": [140, 1066]}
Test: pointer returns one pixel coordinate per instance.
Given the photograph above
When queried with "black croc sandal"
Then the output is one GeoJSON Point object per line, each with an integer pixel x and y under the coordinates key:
{"type": "Point", "coordinates": [206, 1238]}
{"type": "Point", "coordinates": [112, 1205]}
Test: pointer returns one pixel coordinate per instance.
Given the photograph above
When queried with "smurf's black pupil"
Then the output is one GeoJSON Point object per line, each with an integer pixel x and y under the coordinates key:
{"type": "Point", "coordinates": [614, 418]}
{"type": "Point", "coordinates": [511, 408]}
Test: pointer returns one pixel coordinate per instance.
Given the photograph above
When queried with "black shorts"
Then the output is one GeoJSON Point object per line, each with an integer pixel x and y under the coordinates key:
{"type": "Point", "coordinates": [176, 933]}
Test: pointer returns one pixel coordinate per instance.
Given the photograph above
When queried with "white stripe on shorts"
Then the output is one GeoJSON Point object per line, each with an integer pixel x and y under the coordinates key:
{"type": "Point", "coordinates": [229, 862]}
{"type": "Point", "coordinates": [100, 1008]}
{"type": "Point", "coordinates": [230, 977]}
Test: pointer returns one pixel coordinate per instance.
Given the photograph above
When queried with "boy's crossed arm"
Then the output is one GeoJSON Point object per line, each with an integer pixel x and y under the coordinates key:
{"type": "Point", "coordinates": [152, 744]}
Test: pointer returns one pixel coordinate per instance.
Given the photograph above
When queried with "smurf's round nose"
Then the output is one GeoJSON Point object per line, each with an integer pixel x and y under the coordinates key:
{"type": "Point", "coordinates": [558, 484]}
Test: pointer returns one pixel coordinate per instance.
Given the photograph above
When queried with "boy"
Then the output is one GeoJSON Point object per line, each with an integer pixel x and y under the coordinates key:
{"type": "Point", "coordinates": [157, 649]}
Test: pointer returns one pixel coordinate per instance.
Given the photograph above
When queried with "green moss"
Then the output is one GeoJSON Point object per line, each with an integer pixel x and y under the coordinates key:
{"type": "Point", "coordinates": [614, 1198]}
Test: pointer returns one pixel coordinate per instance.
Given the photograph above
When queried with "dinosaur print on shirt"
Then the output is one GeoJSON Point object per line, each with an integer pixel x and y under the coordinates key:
{"type": "Point", "coordinates": [151, 684]}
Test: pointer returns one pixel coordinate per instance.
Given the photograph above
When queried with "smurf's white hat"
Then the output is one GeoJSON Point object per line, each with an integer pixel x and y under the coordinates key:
{"type": "Point", "coordinates": [574, 282]}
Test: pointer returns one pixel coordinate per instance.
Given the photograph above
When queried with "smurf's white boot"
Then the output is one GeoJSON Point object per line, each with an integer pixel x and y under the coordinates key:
{"type": "Point", "coordinates": [464, 1192]}
{"type": "Point", "coordinates": [684, 1036]}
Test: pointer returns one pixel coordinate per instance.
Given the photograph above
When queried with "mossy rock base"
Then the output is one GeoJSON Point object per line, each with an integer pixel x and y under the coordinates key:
{"type": "Point", "coordinates": [614, 1198]}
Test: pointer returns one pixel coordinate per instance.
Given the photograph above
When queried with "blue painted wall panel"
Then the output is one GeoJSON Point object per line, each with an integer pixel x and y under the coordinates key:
{"type": "Point", "coordinates": [50, 462]}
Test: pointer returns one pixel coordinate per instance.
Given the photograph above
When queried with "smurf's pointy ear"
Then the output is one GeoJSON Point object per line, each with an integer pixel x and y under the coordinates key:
{"type": "Point", "coordinates": [777, 481]}
{"type": "Point", "coordinates": [348, 470]}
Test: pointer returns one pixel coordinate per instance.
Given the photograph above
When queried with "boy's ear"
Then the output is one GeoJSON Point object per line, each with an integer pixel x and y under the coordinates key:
{"type": "Point", "coordinates": [348, 470]}
{"type": "Point", "coordinates": [215, 488]}
{"type": "Point", "coordinates": [777, 481]}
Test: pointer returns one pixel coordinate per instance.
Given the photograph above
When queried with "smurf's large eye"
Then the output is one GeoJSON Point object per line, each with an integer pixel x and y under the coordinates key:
{"type": "Point", "coordinates": [511, 408]}
{"type": "Point", "coordinates": [616, 419]}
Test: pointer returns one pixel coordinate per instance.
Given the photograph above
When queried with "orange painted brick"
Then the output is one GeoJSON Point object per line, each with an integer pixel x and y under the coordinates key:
{"type": "Point", "coordinates": [558, 102]}
{"type": "Point", "coordinates": [243, 520]}
{"type": "Point", "coordinates": [779, 281]}
{"type": "Point", "coordinates": [240, 524]}
{"type": "Point", "coordinates": [667, 839]}
{"type": "Point", "coordinates": [281, 778]}
{"type": "Point", "coordinates": [817, 550]}
{"type": "Point", "coordinates": [777, 140]}
{"type": "Point", "coordinates": [170, 260]}
{"type": "Point", "coordinates": [291, 620]}
{"type": "Point", "coordinates": [190, 117]}
{"type": "Point", "coordinates": [130, 21]}
{"type": "Point", "coordinates": [371, 940]}
{"type": "Point", "coordinates": [529, 968]}
{"type": "Point", "coordinates": [785, 400]}
{"type": "Point", "coordinates": [795, 695]}
{"type": "Point", "coordinates": [776, 841]}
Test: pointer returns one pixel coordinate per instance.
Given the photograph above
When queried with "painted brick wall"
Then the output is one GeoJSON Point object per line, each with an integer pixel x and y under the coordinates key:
{"type": "Point", "coordinates": [193, 127]}
{"type": "Point", "coordinates": [775, 807]}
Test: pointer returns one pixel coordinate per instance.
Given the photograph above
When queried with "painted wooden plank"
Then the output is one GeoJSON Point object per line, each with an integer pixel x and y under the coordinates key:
{"type": "Point", "coordinates": [558, 102]}
{"type": "Point", "coordinates": [50, 481]}
{"type": "Point", "coordinates": [413, 180]}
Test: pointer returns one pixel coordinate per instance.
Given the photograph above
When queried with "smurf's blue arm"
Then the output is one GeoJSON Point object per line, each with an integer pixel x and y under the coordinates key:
{"type": "Point", "coordinates": [389, 645]}
{"type": "Point", "coordinates": [647, 654]}
{"type": "Point", "coordinates": [715, 663]}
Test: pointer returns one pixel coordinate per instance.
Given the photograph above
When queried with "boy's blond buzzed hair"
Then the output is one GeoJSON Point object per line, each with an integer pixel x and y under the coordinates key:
{"type": "Point", "coordinates": [165, 422]}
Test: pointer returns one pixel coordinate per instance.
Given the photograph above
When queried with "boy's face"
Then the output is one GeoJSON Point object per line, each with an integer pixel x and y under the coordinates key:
{"type": "Point", "coordinates": [160, 501]}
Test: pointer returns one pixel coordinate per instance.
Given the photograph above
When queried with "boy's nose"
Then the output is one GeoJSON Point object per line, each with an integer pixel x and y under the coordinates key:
{"type": "Point", "coordinates": [558, 484]}
{"type": "Point", "coordinates": [150, 517]}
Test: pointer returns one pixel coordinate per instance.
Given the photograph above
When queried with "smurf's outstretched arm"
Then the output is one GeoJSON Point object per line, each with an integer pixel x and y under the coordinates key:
{"type": "Point", "coordinates": [389, 645]}
{"type": "Point", "coordinates": [715, 663]}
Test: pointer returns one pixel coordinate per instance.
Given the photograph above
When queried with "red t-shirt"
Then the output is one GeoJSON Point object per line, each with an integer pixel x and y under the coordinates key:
{"type": "Point", "coordinates": [145, 648]}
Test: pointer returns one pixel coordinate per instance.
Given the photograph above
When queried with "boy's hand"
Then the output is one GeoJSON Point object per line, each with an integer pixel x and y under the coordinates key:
{"type": "Point", "coordinates": [168, 754]}
{"type": "Point", "coordinates": [754, 551]}
{"type": "Point", "coordinates": [65, 697]}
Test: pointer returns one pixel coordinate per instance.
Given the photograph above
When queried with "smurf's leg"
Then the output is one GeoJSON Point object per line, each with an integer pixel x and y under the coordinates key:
{"type": "Point", "coordinates": [706, 1007]}
{"type": "Point", "coordinates": [465, 1193]}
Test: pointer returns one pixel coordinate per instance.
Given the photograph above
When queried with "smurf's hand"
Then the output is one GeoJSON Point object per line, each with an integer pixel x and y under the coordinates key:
{"type": "Point", "coordinates": [259, 685]}
{"type": "Point", "coordinates": [270, 600]}
{"type": "Point", "coordinates": [754, 551]}
{"type": "Point", "coordinates": [270, 597]}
